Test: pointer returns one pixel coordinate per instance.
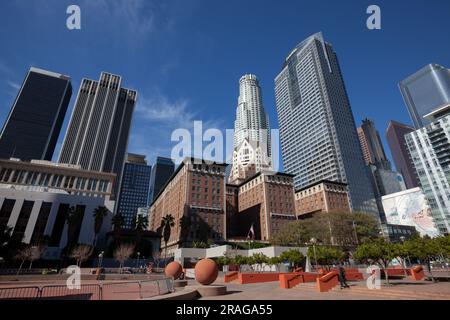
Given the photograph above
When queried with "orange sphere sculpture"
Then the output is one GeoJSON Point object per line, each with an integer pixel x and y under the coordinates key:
{"type": "Point", "coordinates": [206, 271]}
{"type": "Point", "coordinates": [173, 269]}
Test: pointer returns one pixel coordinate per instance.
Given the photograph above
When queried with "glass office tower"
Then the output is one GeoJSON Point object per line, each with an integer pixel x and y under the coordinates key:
{"type": "Point", "coordinates": [317, 129]}
{"type": "Point", "coordinates": [161, 172]}
{"type": "Point", "coordinates": [97, 135]}
{"type": "Point", "coordinates": [424, 91]}
{"type": "Point", "coordinates": [34, 122]}
{"type": "Point", "coordinates": [395, 135]}
{"type": "Point", "coordinates": [134, 188]}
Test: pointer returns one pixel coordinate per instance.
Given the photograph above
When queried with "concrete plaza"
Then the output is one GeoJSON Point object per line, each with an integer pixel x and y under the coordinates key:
{"type": "Point", "coordinates": [397, 290]}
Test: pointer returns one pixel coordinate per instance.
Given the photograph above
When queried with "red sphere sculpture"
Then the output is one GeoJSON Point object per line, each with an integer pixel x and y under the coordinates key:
{"type": "Point", "coordinates": [173, 269]}
{"type": "Point", "coordinates": [206, 271]}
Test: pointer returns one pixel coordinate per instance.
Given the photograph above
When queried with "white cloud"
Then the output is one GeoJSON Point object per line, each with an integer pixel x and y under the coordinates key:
{"type": "Point", "coordinates": [133, 18]}
{"type": "Point", "coordinates": [156, 117]}
{"type": "Point", "coordinates": [159, 109]}
{"type": "Point", "coordinates": [13, 85]}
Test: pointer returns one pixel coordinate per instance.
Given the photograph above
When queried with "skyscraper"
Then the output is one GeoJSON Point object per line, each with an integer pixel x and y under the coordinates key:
{"type": "Point", "coordinates": [429, 148]}
{"type": "Point", "coordinates": [384, 180]}
{"type": "Point", "coordinates": [97, 135]}
{"type": "Point", "coordinates": [424, 91]}
{"type": "Point", "coordinates": [134, 188]}
{"type": "Point", "coordinates": [395, 134]}
{"type": "Point", "coordinates": [317, 129]}
{"type": "Point", "coordinates": [372, 146]}
{"type": "Point", "coordinates": [35, 119]}
{"type": "Point", "coordinates": [251, 148]}
{"type": "Point", "coordinates": [162, 170]}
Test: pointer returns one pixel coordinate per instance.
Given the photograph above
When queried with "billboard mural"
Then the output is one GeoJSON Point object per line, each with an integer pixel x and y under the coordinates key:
{"type": "Point", "coordinates": [410, 208]}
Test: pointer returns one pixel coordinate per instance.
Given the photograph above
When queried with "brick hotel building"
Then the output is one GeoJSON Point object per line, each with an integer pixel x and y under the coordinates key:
{"type": "Point", "coordinates": [198, 190]}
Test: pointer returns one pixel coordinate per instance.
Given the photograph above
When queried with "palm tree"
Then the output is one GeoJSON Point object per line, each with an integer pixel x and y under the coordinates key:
{"type": "Point", "coordinates": [139, 227]}
{"type": "Point", "coordinates": [99, 215]}
{"type": "Point", "coordinates": [141, 223]}
{"type": "Point", "coordinates": [167, 223]}
{"type": "Point", "coordinates": [74, 219]}
{"type": "Point", "coordinates": [117, 222]}
{"type": "Point", "coordinates": [185, 226]}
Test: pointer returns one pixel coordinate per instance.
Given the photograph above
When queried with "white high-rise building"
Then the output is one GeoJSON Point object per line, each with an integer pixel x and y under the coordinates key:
{"type": "Point", "coordinates": [429, 149]}
{"type": "Point", "coordinates": [251, 148]}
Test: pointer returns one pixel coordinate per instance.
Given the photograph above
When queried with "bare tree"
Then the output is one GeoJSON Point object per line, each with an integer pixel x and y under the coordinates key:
{"type": "Point", "coordinates": [36, 253]}
{"type": "Point", "coordinates": [81, 253]}
{"type": "Point", "coordinates": [156, 257]}
{"type": "Point", "coordinates": [23, 255]}
{"type": "Point", "coordinates": [123, 253]}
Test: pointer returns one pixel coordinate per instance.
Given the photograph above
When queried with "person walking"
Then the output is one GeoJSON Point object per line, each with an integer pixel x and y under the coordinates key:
{"type": "Point", "coordinates": [342, 278]}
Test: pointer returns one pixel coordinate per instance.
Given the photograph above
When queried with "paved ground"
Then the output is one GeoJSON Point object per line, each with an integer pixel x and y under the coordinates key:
{"type": "Point", "coordinates": [398, 290]}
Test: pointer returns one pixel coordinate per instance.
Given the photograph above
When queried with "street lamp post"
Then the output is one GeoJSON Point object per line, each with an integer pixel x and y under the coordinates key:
{"type": "Point", "coordinates": [100, 259]}
{"type": "Point", "coordinates": [137, 262]}
{"type": "Point", "coordinates": [313, 241]}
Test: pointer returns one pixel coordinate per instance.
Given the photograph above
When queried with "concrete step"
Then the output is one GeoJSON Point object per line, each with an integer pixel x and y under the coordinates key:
{"type": "Point", "coordinates": [387, 292]}
{"type": "Point", "coordinates": [384, 292]}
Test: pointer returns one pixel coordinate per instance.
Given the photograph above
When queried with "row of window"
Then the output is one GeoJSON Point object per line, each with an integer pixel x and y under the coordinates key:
{"type": "Point", "coordinates": [43, 179]}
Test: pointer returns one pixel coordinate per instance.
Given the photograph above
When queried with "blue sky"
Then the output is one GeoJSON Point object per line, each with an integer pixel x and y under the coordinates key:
{"type": "Point", "coordinates": [185, 57]}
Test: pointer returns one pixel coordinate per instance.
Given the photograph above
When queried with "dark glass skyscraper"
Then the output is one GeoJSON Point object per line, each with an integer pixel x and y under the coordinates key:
{"type": "Point", "coordinates": [317, 129]}
{"type": "Point", "coordinates": [134, 188]}
{"type": "Point", "coordinates": [372, 146]}
{"type": "Point", "coordinates": [395, 135]}
{"type": "Point", "coordinates": [424, 91]}
{"type": "Point", "coordinates": [97, 135]}
{"type": "Point", "coordinates": [161, 172]}
{"type": "Point", "coordinates": [34, 122]}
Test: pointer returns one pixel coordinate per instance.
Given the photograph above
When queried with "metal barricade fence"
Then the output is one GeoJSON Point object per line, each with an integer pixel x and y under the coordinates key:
{"type": "Point", "coordinates": [58, 292]}
{"type": "Point", "coordinates": [149, 289]}
{"type": "Point", "coordinates": [165, 286]}
{"type": "Point", "coordinates": [121, 291]}
{"type": "Point", "coordinates": [20, 293]}
{"type": "Point", "coordinates": [132, 290]}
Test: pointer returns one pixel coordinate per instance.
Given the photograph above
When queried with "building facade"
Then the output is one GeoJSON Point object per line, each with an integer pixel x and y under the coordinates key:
{"type": "Point", "coordinates": [387, 181]}
{"type": "Point", "coordinates": [429, 148]}
{"type": "Point", "coordinates": [97, 134]}
{"type": "Point", "coordinates": [36, 196]}
{"type": "Point", "coordinates": [323, 196]}
{"type": "Point", "coordinates": [34, 122]}
{"type": "Point", "coordinates": [264, 201]}
{"type": "Point", "coordinates": [397, 232]}
{"type": "Point", "coordinates": [317, 129]}
{"type": "Point", "coordinates": [395, 135]}
{"type": "Point", "coordinates": [410, 208]}
{"type": "Point", "coordinates": [162, 170]}
{"type": "Point", "coordinates": [373, 151]}
{"type": "Point", "coordinates": [251, 145]}
{"type": "Point", "coordinates": [196, 190]}
{"type": "Point", "coordinates": [219, 211]}
{"type": "Point", "coordinates": [424, 91]}
{"type": "Point", "coordinates": [134, 189]}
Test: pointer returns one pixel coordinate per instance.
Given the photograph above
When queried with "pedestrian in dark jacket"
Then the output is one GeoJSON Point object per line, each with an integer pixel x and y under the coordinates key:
{"type": "Point", "coordinates": [342, 278]}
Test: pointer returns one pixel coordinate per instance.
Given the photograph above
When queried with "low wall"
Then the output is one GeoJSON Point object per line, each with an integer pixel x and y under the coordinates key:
{"type": "Point", "coordinates": [417, 273]}
{"type": "Point", "coordinates": [245, 278]}
{"type": "Point", "coordinates": [290, 280]}
{"type": "Point", "coordinates": [351, 274]}
{"type": "Point", "coordinates": [327, 282]}
{"type": "Point", "coordinates": [231, 276]}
